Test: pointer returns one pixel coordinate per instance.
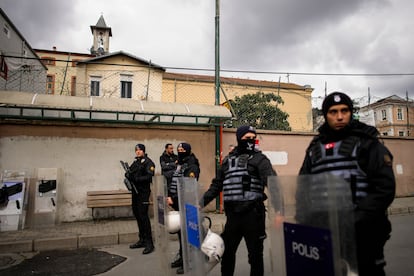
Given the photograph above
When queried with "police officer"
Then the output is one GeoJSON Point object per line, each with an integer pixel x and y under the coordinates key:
{"type": "Point", "coordinates": [168, 162]}
{"type": "Point", "coordinates": [351, 150]}
{"type": "Point", "coordinates": [242, 179]}
{"type": "Point", "coordinates": [187, 166]}
{"type": "Point", "coordinates": [140, 175]}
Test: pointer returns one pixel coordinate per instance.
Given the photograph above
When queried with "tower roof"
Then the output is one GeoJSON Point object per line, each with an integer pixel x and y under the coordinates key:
{"type": "Point", "coordinates": [101, 25]}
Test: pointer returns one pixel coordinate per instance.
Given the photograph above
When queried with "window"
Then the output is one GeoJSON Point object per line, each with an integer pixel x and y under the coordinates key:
{"type": "Point", "coordinates": [126, 89]}
{"type": "Point", "coordinates": [73, 86]}
{"type": "Point", "coordinates": [50, 84]}
{"type": "Point", "coordinates": [6, 30]}
{"type": "Point", "coordinates": [400, 133]}
{"type": "Point", "coordinates": [384, 114]}
{"type": "Point", "coordinates": [385, 134]}
{"type": "Point", "coordinates": [94, 88]}
{"type": "Point", "coordinates": [49, 61]}
{"type": "Point", "coordinates": [95, 84]}
{"type": "Point", "coordinates": [24, 51]}
{"type": "Point", "coordinates": [399, 114]}
{"type": "Point", "coordinates": [3, 67]}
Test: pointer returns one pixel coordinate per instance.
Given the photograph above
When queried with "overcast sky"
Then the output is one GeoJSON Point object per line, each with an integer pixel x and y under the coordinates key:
{"type": "Point", "coordinates": [284, 38]}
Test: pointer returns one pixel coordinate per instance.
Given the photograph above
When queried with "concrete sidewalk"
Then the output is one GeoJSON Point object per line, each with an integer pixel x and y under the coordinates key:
{"type": "Point", "coordinates": [108, 232]}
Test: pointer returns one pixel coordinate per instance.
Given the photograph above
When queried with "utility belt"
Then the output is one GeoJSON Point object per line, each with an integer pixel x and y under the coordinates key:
{"type": "Point", "coordinates": [240, 207]}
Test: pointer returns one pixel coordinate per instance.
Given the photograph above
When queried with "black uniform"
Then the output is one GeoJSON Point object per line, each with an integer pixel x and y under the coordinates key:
{"type": "Point", "coordinates": [242, 178]}
{"type": "Point", "coordinates": [140, 174]}
{"type": "Point", "coordinates": [355, 154]}
{"type": "Point", "coordinates": [168, 165]}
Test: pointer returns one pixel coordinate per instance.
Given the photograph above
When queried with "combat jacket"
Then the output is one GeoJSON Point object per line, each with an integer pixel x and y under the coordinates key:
{"type": "Point", "coordinates": [168, 164]}
{"type": "Point", "coordinates": [359, 157]}
{"type": "Point", "coordinates": [141, 173]}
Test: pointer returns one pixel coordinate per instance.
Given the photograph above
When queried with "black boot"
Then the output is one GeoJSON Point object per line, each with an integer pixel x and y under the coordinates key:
{"type": "Point", "coordinates": [138, 244]}
{"type": "Point", "coordinates": [180, 270]}
{"type": "Point", "coordinates": [149, 247]}
{"type": "Point", "coordinates": [177, 263]}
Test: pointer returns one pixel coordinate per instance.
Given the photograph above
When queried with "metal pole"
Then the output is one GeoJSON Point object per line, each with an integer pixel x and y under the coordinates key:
{"type": "Point", "coordinates": [217, 86]}
{"type": "Point", "coordinates": [217, 53]}
{"type": "Point", "coordinates": [148, 80]}
{"type": "Point", "coordinates": [408, 115]}
{"type": "Point", "coordinates": [64, 76]}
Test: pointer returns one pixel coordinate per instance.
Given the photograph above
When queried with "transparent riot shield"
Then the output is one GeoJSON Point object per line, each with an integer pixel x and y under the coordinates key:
{"type": "Point", "coordinates": [311, 226]}
{"type": "Point", "coordinates": [47, 197]}
{"type": "Point", "coordinates": [166, 244]}
{"type": "Point", "coordinates": [193, 228]}
{"type": "Point", "coordinates": [13, 200]}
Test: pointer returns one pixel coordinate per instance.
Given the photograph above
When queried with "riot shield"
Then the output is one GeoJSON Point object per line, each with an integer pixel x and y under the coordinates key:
{"type": "Point", "coordinates": [193, 228]}
{"type": "Point", "coordinates": [166, 244]}
{"type": "Point", "coordinates": [311, 226]}
{"type": "Point", "coordinates": [13, 200]}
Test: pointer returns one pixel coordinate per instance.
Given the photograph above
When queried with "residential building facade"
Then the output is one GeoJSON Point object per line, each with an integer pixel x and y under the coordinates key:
{"type": "Point", "coordinates": [201, 89]}
{"type": "Point", "coordinates": [392, 116]}
{"type": "Point", "coordinates": [119, 75]}
{"type": "Point", "coordinates": [103, 73]}
{"type": "Point", "coordinates": [20, 68]}
{"type": "Point", "coordinates": [61, 70]}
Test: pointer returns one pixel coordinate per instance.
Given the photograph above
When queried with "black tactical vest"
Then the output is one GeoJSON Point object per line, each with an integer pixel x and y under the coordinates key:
{"type": "Point", "coordinates": [238, 185]}
{"type": "Point", "coordinates": [340, 159]}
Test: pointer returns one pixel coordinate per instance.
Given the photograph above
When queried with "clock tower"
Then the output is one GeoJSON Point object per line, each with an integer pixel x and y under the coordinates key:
{"type": "Point", "coordinates": [101, 34]}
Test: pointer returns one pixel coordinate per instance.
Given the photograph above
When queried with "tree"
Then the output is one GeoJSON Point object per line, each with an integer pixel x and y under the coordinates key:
{"type": "Point", "coordinates": [260, 110]}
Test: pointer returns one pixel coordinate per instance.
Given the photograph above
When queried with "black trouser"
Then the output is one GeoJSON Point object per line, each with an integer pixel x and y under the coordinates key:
{"type": "Point", "coordinates": [176, 207]}
{"type": "Point", "coordinates": [140, 204]}
{"type": "Point", "coordinates": [249, 225]}
{"type": "Point", "coordinates": [372, 234]}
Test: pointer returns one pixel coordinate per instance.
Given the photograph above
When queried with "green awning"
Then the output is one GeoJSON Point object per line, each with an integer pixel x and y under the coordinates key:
{"type": "Point", "coordinates": [22, 105]}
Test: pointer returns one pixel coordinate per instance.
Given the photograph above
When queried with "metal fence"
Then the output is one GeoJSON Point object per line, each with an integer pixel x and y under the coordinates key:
{"type": "Point", "coordinates": [148, 82]}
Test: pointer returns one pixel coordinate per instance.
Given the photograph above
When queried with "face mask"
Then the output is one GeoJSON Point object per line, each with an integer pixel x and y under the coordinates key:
{"type": "Point", "coordinates": [246, 145]}
{"type": "Point", "coordinates": [182, 156]}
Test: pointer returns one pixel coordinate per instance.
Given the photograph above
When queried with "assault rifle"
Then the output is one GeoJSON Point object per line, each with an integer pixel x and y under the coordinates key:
{"type": "Point", "coordinates": [7, 191]}
{"type": "Point", "coordinates": [128, 183]}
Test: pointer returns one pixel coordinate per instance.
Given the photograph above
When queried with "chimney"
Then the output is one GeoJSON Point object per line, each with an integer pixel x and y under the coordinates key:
{"type": "Point", "coordinates": [54, 48]}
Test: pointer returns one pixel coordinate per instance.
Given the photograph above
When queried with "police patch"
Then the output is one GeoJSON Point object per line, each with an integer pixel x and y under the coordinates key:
{"type": "Point", "coordinates": [387, 160]}
{"type": "Point", "coordinates": [191, 174]}
{"type": "Point", "coordinates": [152, 168]}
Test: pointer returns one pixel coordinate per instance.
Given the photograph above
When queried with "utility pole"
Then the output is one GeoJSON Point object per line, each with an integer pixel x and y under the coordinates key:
{"type": "Point", "coordinates": [64, 76]}
{"type": "Point", "coordinates": [408, 115]}
{"type": "Point", "coordinates": [218, 128]}
{"type": "Point", "coordinates": [148, 80]}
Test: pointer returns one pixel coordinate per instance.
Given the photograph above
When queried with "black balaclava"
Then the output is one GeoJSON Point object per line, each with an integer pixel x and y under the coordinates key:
{"type": "Point", "coordinates": [183, 155]}
{"type": "Point", "coordinates": [245, 146]}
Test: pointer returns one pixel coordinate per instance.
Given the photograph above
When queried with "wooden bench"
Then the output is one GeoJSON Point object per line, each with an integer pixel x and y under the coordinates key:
{"type": "Point", "coordinates": [113, 198]}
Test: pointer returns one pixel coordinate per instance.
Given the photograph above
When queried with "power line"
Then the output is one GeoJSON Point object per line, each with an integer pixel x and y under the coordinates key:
{"type": "Point", "coordinates": [248, 71]}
